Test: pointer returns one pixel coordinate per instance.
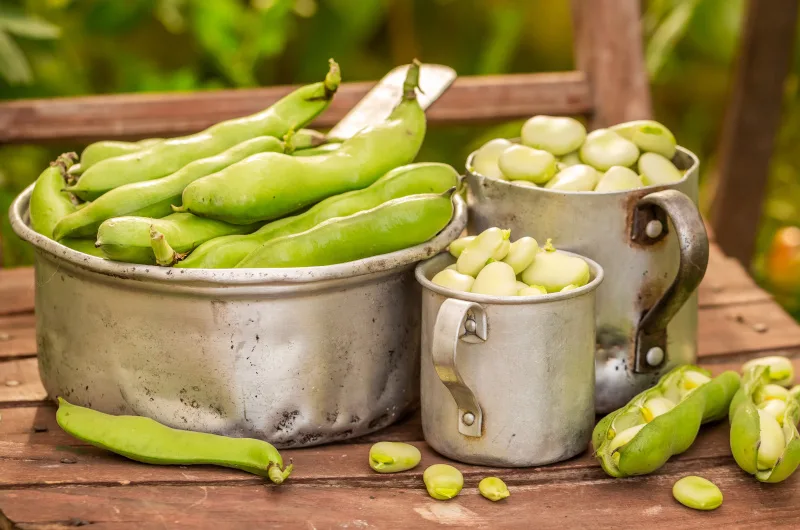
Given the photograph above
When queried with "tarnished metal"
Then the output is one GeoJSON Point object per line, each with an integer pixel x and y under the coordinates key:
{"type": "Point", "coordinates": [296, 357]}
{"type": "Point", "coordinates": [611, 228]}
{"type": "Point", "coordinates": [516, 391]}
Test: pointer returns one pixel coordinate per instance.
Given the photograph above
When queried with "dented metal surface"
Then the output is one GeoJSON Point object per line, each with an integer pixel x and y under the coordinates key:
{"type": "Point", "coordinates": [611, 229]}
{"type": "Point", "coordinates": [297, 357]}
{"type": "Point", "coordinates": [500, 374]}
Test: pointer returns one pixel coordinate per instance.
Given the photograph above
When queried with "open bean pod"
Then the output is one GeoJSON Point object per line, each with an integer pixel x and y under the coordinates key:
{"type": "Point", "coordinates": [663, 421]}
{"type": "Point", "coordinates": [764, 445]}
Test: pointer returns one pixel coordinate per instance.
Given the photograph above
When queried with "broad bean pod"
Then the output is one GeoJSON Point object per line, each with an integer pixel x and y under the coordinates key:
{"type": "Point", "coordinates": [145, 440]}
{"type": "Point", "coordinates": [155, 198]}
{"type": "Point", "coordinates": [49, 203]}
{"type": "Point", "coordinates": [271, 185]}
{"type": "Point", "coordinates": [128, 238]}
{"type": "Point", "coordinates": [164, 158]}
{"type": "Point", "coordinates": [770, 454]}
{"type": "Point", "coordinates": [640, 437]}
{"type": "Point", "coordinates": [102, 150]}
{"type": "Point", "coordinates": [392, 226]}
{"type": "Point", "coordinates": [228, 251]}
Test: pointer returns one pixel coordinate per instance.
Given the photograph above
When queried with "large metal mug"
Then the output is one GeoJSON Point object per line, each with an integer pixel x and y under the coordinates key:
{"type": "Point", "coordinates": [653, 246]}
{"type": "Point", "coordinates": [507, 381]}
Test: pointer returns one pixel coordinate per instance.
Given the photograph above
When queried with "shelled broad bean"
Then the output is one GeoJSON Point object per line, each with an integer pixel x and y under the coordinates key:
{"type": "Point", "coordinates": [557, 153]}
{"type": "Point", "coordinates": [491, 264]}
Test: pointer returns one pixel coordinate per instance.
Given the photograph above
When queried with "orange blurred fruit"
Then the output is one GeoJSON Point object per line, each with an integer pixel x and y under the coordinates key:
{"type": "Point", "coordinates": [783, 259]}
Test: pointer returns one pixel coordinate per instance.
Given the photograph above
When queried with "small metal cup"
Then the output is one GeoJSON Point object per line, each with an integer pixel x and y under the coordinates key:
{"type": "Point", "coordinates": [507, 381]}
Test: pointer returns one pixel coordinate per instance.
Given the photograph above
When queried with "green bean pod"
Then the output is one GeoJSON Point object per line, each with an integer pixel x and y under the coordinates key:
{"type": "Point", "coordinates": [271, 185]}
{"type": "Point", "coordinates": [323, 149]}
{"type": "Point", "coordinates": [164, 158]}
{"type": "Point", "coordinates": [145, 440]}
{"type": "Point", "coordinates": [640, 437]}
{"type": "Point", "coordinates": [228, 251]}
{"type": "Point", "coordinates": [49, 203]}
{"type": "Point", "coordinates": [155, 198]}
{"type": "Point", "coordinates": [392, 226]}
{"type": "Point", "coordinates": [99, 151]}
{"type": "Point", "coordinates": [86, 246]}
{"type": "Point", "coordinates": [128, 238]}
{"type": "Point", "coordinates": [750, 437]}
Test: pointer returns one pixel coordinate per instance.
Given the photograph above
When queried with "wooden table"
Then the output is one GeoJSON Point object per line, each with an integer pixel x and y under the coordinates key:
{"type": "Point", "coordinates": [51, 481]}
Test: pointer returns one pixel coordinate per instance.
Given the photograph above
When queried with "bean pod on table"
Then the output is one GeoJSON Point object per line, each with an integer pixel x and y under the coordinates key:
{"type": "Point", "coordinates": [764, 415]}
{"type": "Point", "coordinates": [148, 441]}
{"type": "Point", "coordinates": [663, 421]}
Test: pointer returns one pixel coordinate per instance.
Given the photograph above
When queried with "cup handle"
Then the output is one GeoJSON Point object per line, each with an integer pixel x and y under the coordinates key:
{"type": "Point", "coordinates": [649, 227]}
{"type": "Point", "coordinates": [458, 321]}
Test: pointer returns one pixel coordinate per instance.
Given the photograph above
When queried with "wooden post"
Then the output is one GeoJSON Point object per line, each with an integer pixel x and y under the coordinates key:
{"type": "Point", "coordinates": [609, 48]}
{"type": "Point", "coordinates": [751, 123]}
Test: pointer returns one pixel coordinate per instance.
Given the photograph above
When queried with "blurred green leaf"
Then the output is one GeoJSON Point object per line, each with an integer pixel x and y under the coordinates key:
{"type": "Point", "coordinates": [14, 66]}
{"type": "Point", "coordinates": [666, 36]}
{"type": "Point", "coordinates": [28, 27]}
{"type": "Point", "coordinates": [506, 21]}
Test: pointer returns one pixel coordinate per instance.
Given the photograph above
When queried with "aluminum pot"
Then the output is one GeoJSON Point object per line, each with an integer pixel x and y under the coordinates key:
{"type": "Point", "coordinates": [507, 381]}
{"type": "Point", "coordinates": [297, 357]}
{"type": "Point", "coordinates": [653, 246]}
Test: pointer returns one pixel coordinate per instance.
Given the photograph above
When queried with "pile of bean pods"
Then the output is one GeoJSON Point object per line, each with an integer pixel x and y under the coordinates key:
{"type": "Point", "coordinates": [230, 196]}
{"type": "Point", "coordinates": [558, 154]}
{"type": "Point", "coordinates": [491, 264]}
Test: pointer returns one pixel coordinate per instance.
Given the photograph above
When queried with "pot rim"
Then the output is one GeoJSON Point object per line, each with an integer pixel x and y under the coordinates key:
{"type": "Point", "coordinates": [595, 269]}
{"type": "Point", "coordinates": [18, 215]}
{"type": "Point", "coordinates": [683, 151]}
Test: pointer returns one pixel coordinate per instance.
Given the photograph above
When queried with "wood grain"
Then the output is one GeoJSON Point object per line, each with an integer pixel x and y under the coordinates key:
{"type": "Point", "coordinates": [570, 502]}
{"type": "Point", "coordinates": [751, 124]}
{"type": "Point", "coordinates": [17, 336]}
{"type": "Point", "coordinates": [130, 116]}
{"type": "Point", "coordinates": [19, 381]}
{"type": "Point", "coordinates": [16, 290]}
{"type": "Point", "coordinates": [609, 48]}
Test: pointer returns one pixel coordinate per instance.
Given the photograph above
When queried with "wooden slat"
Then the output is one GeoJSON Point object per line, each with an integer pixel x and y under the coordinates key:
{"type": "Point", "coordinates": [566, 502]}
{"type": "Point", "coordinates": [19, 381]}
{"type": "Point", "coordinates": [152, 115]}
{"type": "Point", "coordinates": [16, 290]}
{"type": "Point", "coordinates": [752, 327]}
{"type": "Point", "coordinates": [609, 47]}
{"type": "Point", "coordinates": [751, 124]}
{"type": "Point", "coordinates": [17, 336]}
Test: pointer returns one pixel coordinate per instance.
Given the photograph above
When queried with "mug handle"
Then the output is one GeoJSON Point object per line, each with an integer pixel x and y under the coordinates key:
{"type": "Point", "coordinates": [649, 227]}
{"type": "Point", "coordinates": [458, 321]}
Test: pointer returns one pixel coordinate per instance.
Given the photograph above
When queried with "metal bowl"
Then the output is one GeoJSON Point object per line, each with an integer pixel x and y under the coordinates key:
{"type": "Point", "coordinates": [296, 356]}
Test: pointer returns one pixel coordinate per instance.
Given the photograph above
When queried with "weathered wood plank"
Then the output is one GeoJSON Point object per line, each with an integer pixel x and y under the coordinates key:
{"type": "Point", "coordinates": [19, 381]}
{"type": "Point", "coordinates": [754, 327]}
{"type": "Point", "coordinates": [609, 47]}
{"type": "Point", "coordinates": [151, 115]}
{"type": "Point", "coordinates": [751, 124]}
{"type": "Point", "coordinates": [17, 336]}
{"type": "Point", "coordinates": [644, 502]}
{"type": "Point", "coordinates": [16, 290]}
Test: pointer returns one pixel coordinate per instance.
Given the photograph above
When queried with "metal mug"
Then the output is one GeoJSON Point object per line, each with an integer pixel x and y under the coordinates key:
{"type": "Point", "coordinates": [507, 381]}
{"type": "Point", "coordinates": [296, 356]}
{"type": "Point", "coordinates": [654, 248]}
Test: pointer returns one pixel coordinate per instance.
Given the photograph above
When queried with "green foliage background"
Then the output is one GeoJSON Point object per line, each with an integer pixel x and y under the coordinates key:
{"type": "Point", "coordinates": [52, 48]}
